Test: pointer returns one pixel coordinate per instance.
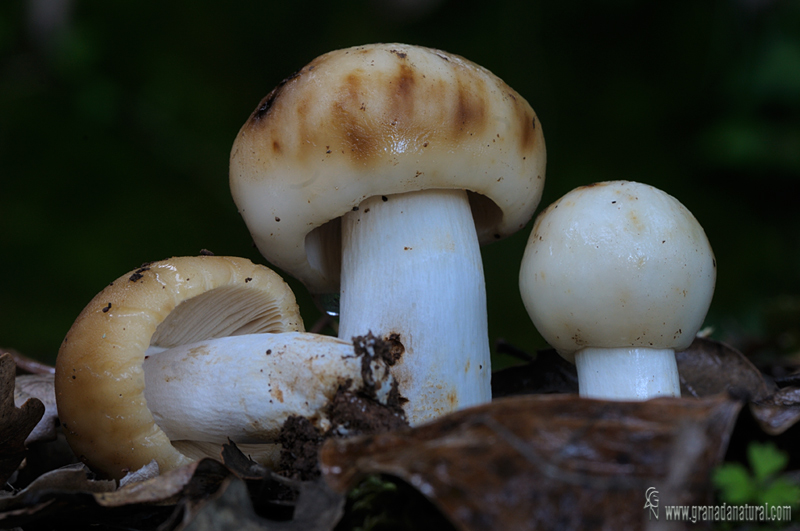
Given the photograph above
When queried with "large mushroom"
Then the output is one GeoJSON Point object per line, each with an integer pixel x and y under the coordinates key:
{"type": "Point", "coordinates": [175, 358]}
{"type": "Point", "coordinates": [616, 277]}
{"type": "Point", "coordinates": [375, 173]}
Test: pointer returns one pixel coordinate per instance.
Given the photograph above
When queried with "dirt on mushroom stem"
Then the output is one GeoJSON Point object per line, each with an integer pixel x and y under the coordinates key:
{"type": "Point", "coordinates": [351, 412]}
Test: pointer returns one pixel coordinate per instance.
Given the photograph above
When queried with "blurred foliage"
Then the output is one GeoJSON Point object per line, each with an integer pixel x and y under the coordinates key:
{"type": "Point", "coordinates": [116, 123]}
{"type": "Point", "coordinates": [762, 484]}
{"type": "Point", "coordinates": [386, 504]}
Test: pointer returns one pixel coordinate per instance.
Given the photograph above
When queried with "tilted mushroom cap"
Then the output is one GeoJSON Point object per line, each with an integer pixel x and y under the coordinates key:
{"type": "Point", "coordinates": [99, 377]}
{"type": "Point", "coordinates": [378, 120]}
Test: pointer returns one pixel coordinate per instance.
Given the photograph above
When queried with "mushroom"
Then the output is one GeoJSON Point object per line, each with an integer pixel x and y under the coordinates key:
{"type": "Point", "coordinates": [171, 360]}
{"type": "Point", "coordinates": [617, 276]}
{"type": "Point", "coordinates": [374, 174]}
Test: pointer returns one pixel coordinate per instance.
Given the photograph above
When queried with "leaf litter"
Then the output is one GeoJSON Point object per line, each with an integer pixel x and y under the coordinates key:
{"type": "Point", "coordinates": [537, 457]}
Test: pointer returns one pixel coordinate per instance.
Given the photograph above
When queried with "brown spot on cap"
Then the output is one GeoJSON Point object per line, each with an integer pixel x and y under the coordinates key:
{"type": "Point", "coordinates": [404, 93]}
{"type": "Point", "coordinates": [527, 136]}
{"type": "Point", "coordinates": [470, 111]}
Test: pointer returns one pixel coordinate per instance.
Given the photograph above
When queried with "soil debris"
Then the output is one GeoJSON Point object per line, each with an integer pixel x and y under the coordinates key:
{"type": "Point", "coordinates": [351, 412]}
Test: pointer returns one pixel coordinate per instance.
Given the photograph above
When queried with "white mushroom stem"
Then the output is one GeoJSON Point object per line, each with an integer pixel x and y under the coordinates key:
{"type": "Point", "coordinates": [627, 373]}
{"type": "Point", "coordinates": [411, 266]}
{"type": "Point", "coordinates": [245, 387]}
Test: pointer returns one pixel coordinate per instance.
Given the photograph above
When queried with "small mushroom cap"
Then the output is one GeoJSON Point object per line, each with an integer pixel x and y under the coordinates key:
{"type": "Point", "coordinates": [617, 264]}
{"type": "Point", "coordinates": [378, 120]}
{"type": "Point", "coordinates": [99, 377]}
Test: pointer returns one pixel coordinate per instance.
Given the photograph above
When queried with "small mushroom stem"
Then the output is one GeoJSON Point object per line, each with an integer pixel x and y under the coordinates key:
{"type": "Point", "coordinates": [411, 268]}
{"type": "Point", "coordinates": [245, 387]}
{"type": "Point", "coordinates": [627, 373]}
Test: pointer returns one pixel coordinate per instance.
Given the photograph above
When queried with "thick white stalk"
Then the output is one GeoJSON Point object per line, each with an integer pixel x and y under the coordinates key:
{"type": "Point", "coordinates": [627, 373]}
{"type": "Point", "coordinates": [411, 266]}
{"type": "Point", "coordinates": [245, 387]}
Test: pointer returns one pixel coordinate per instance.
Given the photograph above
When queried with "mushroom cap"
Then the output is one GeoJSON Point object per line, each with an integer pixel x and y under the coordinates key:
{"type": "Point", "coordinates": [378, 120]}
{"type": "Point", "coordinates": [617, 264]}
{"type": "Point", "coordinates": [99, 378]}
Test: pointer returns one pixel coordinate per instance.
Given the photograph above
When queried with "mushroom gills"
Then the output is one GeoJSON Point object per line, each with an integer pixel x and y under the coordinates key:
{"type": "Point", "coordinates": [243, 388]}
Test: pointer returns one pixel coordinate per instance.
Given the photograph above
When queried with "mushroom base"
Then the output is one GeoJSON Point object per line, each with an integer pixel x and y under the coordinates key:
{"type": "Point", "coordinates": [627, 373]}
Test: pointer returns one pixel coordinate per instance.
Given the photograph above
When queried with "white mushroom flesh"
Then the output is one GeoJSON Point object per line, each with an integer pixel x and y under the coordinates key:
{"type": "Point", "coordinates": [245, 387]}
{"type": "Point", "coordinates": [411, 267]}
{"type": "Point", "coordinates": [627, 373]}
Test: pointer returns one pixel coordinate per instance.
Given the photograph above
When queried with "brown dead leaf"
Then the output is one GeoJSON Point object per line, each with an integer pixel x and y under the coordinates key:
{"type": "Point", "coordinates": [228, 508]}
{"type": "Point", "coordinates": [15, 422]}
{"type": "Point", "coordinates": [778, 412]}
{"type": "Point", "coordinates": [41, 387]}
{"type": "Point", "coordinates": [318, 509]}
{"type": "Point", "coordinates": [148, 471]}
{"type": "Point", "coordinates": [197, 479]}
{"type": "Point", "coordinates": [547, 373]}
{"type": "Point", "coordinates": [58, 493]}
{"type": "Point", "coordinates": [709, 367]}
{"type": "Point", "coordinates": [306, 505]}
{"type": "Point", "coordinates": [241, 465]}
{"type": "Point", "coordinates": [190, 497]}
{"type": "Point", "coordinates": [70, 494]}
{"type": "Point", "coordinates": [26, 365]}
{"type": "Point", "coordinates": [549, 461]}
{"type": "Point", "coordinates": [706, 368]}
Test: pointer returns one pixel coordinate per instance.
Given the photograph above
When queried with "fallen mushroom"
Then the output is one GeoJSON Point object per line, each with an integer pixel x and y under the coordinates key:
{"type": "Point", "coordinates": [375, 173]}
{"type": "Point", "coordinates": [616, 276]}
{"type": "Point", "coordinates": [173, 359]}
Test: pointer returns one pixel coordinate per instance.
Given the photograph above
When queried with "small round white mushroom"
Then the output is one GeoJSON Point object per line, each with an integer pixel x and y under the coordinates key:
{"type": "Point", "coordinates": [375, 173]}
{"type": "Point", "coordinates": [616, 276]}
{"type": "Point", "coordinates": [173, 359]}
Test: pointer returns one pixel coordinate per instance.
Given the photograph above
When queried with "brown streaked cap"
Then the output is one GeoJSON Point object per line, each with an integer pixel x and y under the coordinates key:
{"type": "Point", "coordinates": [99, 377]}
{"type": "Point", "coordinates": [378, 120]}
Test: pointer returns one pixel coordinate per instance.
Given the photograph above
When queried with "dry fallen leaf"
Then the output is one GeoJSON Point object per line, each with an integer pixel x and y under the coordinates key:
{"type": "Point", "coordinates": [70, 494]}
{"type": "Point", "coordinates": [706, 368]}
{"type": "Point", "coordinates": [60, 494]}
{"type": "Point", "coordinates": [228, 508]}
{"type": "Point", "coordinates": [15, 422]}
{"type": "Point", "coordinates": [309, 505]}
{"type": "Point", "coordinates": [201, 495]}
{"type": "Point", "coordinates": [778, 412]}
{"type": "Point", "coordinates": [709, 367]}
{"type": "Point", "coordinates": [41, 387]}
{"type": "Point", "coordinates": [549, 461]}
{"type": "Point", "coordinates": [547, 373]}
{"type": "Point", "coordinates": [197, 479]}
{"type": "Point", "coordinates": [26, 365]}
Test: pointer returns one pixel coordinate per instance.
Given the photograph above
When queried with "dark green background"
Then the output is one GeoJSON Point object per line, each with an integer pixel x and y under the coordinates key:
{"type": "Point", "coordinates": [116, 125]}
